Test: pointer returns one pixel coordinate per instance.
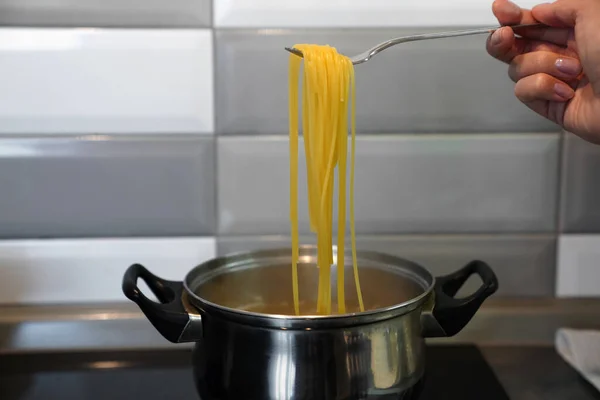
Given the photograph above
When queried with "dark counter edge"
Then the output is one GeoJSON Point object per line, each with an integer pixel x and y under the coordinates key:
{"type": "Point", "coordinates": [501, 322]}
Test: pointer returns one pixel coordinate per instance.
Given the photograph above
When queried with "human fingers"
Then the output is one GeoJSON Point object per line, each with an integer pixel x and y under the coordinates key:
{"type": "Point", "coordinates": [504, 46]}
{"type": "Point", "coordinates": [558, 36]}
{"type": "Point", "coordinates": [585, 16]}
{"type": "Point", "coordinates": [544, 62]}
{"type": "Point", "coordinates": [508, 13]}
{"type": "Point", "coordinates": [543, 87]}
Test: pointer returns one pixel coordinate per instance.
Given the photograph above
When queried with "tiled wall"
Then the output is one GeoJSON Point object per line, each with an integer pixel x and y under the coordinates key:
{"type": "Point", "coordinates": [155, 132]}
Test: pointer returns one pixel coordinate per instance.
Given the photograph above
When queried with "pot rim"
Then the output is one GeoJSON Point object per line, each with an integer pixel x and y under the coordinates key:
{"type": "Point", "coordinates": [282, 320]}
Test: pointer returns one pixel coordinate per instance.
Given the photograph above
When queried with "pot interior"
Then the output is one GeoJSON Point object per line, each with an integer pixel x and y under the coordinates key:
{"type": "Point", "coordinates": [261, 282]}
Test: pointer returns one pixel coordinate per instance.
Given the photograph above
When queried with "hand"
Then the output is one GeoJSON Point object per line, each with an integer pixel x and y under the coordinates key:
{"type": "Point", "coordinates": [556, 69]}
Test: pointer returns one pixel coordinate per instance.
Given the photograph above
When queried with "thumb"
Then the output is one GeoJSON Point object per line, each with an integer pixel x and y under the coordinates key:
{"type": "Point", "coordinates": [584, 16]}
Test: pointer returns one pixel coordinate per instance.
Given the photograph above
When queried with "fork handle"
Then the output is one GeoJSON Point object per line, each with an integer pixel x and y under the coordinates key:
{"type": "Point", "coordinates": [438, 35]}
{"type": "Point", "coordinates": [467, 32]}
{"type": "Point", "coordinates": [536, 25]}
{"type": "Point", "coordinates": [490, 30]}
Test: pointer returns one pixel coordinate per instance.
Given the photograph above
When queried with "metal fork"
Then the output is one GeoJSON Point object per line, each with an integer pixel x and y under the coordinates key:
{"type": "Point", "coordinates": [367, 55]}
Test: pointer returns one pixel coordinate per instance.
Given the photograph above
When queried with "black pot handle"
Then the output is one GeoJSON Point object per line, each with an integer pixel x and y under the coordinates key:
{"type": "Point", "coordinates": [169, 317]}
{"type": "Point", "coordinates": [449, 314]}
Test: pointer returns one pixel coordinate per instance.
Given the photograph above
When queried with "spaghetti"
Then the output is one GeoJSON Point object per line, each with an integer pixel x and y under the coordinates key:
{"type": "Point", "coordinates": [328, 86]}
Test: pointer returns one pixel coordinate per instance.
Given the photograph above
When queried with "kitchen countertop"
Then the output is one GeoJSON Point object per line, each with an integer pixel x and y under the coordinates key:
{"type": "Point", "coordinates": [526, 372]}
{"type": "Point", "coordinates": [43, 328]}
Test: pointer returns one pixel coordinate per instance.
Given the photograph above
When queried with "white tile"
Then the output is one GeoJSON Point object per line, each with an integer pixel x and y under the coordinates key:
{"type": "Point", "coordinates": [90, 270]}
{"type": "Point", "coordinates": [353, 13]}
{"type": "Point", "coordinates": [578, 266]}
{"type": "Point", "coordinates": [106, 81]}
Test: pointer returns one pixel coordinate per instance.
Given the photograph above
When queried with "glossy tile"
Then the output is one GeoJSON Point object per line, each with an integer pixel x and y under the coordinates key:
{"type": "Point", "coordinates": [580, 206]}
{"type": "Point", "coordinates": [106, 81]}
{"type": "Point", "coordinates": [91, 270]}
{"type": "Point", "coordinates": [235, 244]}
{"type": "Point", "coordinates": [449, 85]}
{"type": "Point", "coordinates": [352, 13]}
{"type": "Point", "coordinates": [91, 186]}
{"type": "Point", "coordinates": [578, 270]}
{"type": "Point", "coordinates": [110, 13]}
{"type": "Point", "coordinates": [524, 264]}
{"type": "Point", "coordinates": [404, 184]}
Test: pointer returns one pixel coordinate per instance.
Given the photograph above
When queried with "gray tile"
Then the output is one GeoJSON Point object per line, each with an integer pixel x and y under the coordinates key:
{"type": "Point", "coordinates": [109, 13]}
{"type": "Point", "coordinates": [448, 85]}
{"type": "Point", "coordinates": [525, 264]}
{"type": "Point", "coordinates": [95, 186]}
{"type": "Point", "coordinates": [580, 205]}
{"type": "Point", "coordinates": [404, 184]}
{"type": "Point", "coordinates": [236, 244]}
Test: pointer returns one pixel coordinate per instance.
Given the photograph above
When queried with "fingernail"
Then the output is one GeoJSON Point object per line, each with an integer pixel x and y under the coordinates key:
{"type": "Point", "coordinates": [563, 90]}
{"type": "Point", "coordinates": [497, 37]}
{"type": "Point", "coordinates": [512, 8]}
{"type": "Point", "coordinates": [568, 66]}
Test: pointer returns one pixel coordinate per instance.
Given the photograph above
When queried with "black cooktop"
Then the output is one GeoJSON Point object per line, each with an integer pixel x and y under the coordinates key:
{"type": "Point", "coordinates": [453, 373]}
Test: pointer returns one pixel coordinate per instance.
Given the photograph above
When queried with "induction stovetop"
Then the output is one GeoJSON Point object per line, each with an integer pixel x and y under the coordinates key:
{"type": "Point", "coordinates": [453, 373]}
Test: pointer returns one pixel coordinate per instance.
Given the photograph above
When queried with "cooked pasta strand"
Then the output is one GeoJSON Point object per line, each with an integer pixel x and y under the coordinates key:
{"type": "Point", "coordinates": [328, 86]}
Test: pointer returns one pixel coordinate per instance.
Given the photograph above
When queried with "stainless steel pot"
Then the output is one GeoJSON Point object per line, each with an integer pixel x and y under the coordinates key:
{"type": "Point", "coordinates": [251, 346]}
